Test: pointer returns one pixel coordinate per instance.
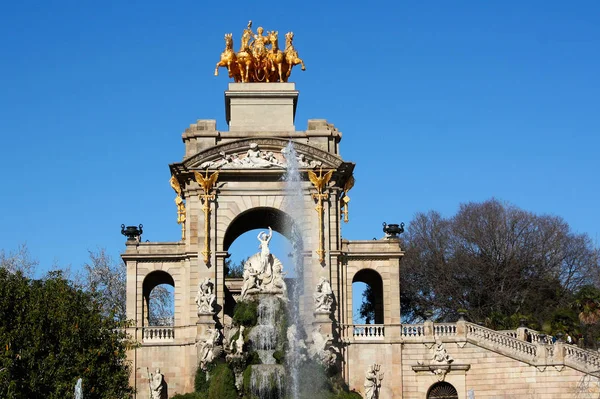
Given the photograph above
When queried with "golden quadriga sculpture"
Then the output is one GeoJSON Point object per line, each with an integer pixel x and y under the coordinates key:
{"type": "Point", "coordinates": [256, 62]}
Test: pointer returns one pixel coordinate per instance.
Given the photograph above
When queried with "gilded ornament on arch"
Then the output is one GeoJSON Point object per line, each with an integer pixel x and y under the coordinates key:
{"type": "Point", "coordinates": [320, 183]}
{"type": "Point", "coordinates": [207, 183]}
{"type": "Point", "coordinates": [180, 203]}
{"type": "Point", "coordinates": [260, 59]}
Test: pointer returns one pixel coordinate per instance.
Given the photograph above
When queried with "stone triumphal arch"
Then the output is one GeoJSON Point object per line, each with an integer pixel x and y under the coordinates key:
{"type": "Point", "coordinates": [232, 181]}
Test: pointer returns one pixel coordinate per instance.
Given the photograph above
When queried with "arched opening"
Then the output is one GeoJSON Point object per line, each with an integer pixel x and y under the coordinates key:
{"type": "Point", "coordinates": [158, 292]}
{"type": "Point", "coordinates": [241, 242]}
{"type": "Point", "coordinates": [442, 390]}
{"type": "Point", "coordinates": [262, 218]}
{"type": "Point", "coordinates": [367, 297]}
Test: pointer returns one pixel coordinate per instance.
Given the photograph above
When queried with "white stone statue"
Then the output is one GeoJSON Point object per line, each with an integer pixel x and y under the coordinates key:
{"type": "Point", "coordinates": [206, 351]}
{"type": "Point", "coordinates": [323, 296]}
{"type": "Point", "coordinates": [263, 272]}
{"type": "Point", "coordinates": [206, 298]}
{"type": "Point", "coordinates": [238, 344]}
{"type": "Point", "coordinates": [79, 389]}
{"type": "Point", "coordinates": [254, 158]}
{"type": "Point", "coordinates": [157, 385]}
{"type": "Point", "coordinates": [264, 240]}
{"type": "Point", "coordinates": [372, 383]}
{"type": "Point", "coordinates": [440, 355]}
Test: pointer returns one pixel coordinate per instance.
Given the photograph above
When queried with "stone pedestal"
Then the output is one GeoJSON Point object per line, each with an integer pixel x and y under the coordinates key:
{"type": "Point", "coordinates": [261, 106]}
{"type": "Point", "coordinates": [323, 320]}
{"type": "Point", "coordinates": [205, 321]}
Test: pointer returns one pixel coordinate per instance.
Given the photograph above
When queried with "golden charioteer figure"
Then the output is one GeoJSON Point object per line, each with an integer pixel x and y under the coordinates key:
{"type": "Point", "coordinates": [255, 62]}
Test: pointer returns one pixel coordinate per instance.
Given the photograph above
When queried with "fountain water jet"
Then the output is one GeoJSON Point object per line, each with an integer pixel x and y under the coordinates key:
{"type": "Point", "coordinates": [294, 206]}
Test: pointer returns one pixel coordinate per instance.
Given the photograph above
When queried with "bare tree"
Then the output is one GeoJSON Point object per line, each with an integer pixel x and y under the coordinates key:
{"type": "Point", "coordinates": [19, 261]}
{"type": "Point", "coordinates": [495, 260]}
{"type": "Point", "coordinates": [107, 278]}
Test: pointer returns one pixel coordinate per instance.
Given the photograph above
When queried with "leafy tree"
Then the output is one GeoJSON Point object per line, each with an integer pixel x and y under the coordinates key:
{"type": "Point", "coordinates": [494, 260]}
{"type": "Point", "coordinates": [53, 333]}
{"type": "Point", "coordinates": [367, 307]}
{"type": "Point", "coordinates": [234, 270]}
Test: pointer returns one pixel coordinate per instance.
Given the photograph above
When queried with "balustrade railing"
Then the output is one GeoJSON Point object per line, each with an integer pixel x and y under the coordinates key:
{"type": "Point", "coordinates": [368, 331]}
{"type": "Point", "coordinates": [444, 329]}
{"type": "Point", "coordinates": [510, 333]}
{"type": "Point", "coordinates": [158, 334]}
{"type": "Point", "coordinates": [412, 331]}
{"type": "Point", "coordinates": [587, 358]}
{"type": "Point", "coordinates": [500, 340]}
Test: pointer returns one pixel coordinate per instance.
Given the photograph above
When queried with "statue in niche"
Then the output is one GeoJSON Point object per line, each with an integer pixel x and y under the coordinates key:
{"type": "Point", "coordinates": [372, 383]}
{"type": "Point", "coordinates": [440, 355]}
{"type": "Point", "coordinates": [206, 298]}
{"type": "Point", "coordinates": [207, 346]}
{"type": "Point", "coordinates": [156, 382]}
{"type": "Point", "coordinates": [323, 296]}
{"type": "Point", "coordinates": [263, 273]}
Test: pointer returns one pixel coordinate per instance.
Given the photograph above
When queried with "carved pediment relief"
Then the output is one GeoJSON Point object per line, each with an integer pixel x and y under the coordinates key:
{"type": "Point", "coordinates": [261, 153]}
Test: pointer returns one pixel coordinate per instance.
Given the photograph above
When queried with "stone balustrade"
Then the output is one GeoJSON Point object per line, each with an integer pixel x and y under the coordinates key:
{"type": "Point", "coordinates": [510, 333]}
{"type": "Point", "coordinates": [158, 334]}
{"type": "Point", "coordinates": [495, 340]}
{"type": "Point", "coordinates": [367, 332]}
{"type": "Point", "coordinates": [575, 356]}
{"type": "Point", "coordinates": [444, 329]}
{"type": "Point", "coordinates": [412, 331]}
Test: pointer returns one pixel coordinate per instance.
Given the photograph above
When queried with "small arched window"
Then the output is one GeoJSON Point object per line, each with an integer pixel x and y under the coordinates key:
{"type": "Point", "coordinates": [442, 390]}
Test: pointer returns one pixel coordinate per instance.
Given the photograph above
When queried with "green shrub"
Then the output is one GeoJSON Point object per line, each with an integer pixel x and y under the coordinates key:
{"type": "Point", "coordinates": [245, 314]}
{"type": "Point", "coordinates": [279, 356]}
{"type": "Point", "coordinates": [200, 382]}
{"type": "Point", "coordinates": [190, 395]}
{"type": "Point", "coordinates": [222, 383]}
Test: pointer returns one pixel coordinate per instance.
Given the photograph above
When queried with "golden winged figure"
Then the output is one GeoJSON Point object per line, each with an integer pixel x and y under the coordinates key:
{"type": "Point", "coordinates": [206, 183]}
{"type": "Point", "coordinates": [320, 181]}
{"type": "Point", "coordinates": [175, 184]}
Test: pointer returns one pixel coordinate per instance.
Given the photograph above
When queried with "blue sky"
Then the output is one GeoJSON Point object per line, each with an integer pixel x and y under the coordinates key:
{"type": "Point", "coordinates": [439, 103]}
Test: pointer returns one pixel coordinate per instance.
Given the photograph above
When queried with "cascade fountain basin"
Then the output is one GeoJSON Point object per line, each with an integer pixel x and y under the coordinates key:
{"type": "Point", "coordinates": [267, 335]}
{"type": "Point", "coordinates": [267, 381]}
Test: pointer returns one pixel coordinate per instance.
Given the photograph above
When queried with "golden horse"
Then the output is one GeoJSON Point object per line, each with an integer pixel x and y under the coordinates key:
{"type": "Point", "coordinates": [229, 59]}
{"type": "Point", "coordinates": [245, 60]}
{"type": "Point", "coordinates": [291, 55]}
{"type": "Point", "coordinates": [277, 59]}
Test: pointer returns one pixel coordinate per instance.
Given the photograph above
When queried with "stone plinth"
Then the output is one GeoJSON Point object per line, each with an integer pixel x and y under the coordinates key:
{"type": "Point", "coordinates": [261, 106]}
{"type": "Point", "coordinates": [323, 323]}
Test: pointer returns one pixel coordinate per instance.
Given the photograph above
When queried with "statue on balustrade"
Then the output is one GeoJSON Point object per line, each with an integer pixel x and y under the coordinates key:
{"type": "Point", "coordinates": [323, 296]}
{"type": "Point", "coordinates": [206, 298]}
{"type": "Point", "coordinates": [372, 384]}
